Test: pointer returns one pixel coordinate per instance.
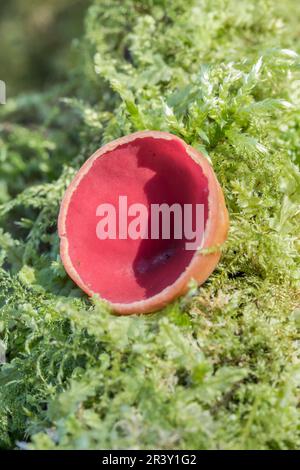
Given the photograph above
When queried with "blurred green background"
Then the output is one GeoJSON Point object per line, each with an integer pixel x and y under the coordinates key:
{"type": "Point", "coordinates": [38, 38]}
{"type": "Point", "coordinates": [37, 41]}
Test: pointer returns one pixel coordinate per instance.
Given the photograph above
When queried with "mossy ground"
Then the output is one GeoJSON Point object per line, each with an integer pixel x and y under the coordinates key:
{"type": "Point", "coordinates": [219, 368]}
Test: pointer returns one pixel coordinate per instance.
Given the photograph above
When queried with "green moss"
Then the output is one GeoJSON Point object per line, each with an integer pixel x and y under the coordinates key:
{"type": "Point", "coordinates": [219, 368]}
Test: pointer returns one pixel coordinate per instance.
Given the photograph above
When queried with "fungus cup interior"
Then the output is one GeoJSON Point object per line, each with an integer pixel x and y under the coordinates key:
{"type": "Point", "coordinates": [148, 171]}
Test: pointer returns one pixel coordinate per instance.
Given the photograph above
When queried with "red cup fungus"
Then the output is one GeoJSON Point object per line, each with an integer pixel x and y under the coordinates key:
{"type": "Point", "coordinates": [141, 274]}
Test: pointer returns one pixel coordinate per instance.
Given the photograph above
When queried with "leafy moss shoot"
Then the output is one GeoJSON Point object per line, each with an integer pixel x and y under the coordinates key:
{"type": "Point", "coordinates": [219, 368]}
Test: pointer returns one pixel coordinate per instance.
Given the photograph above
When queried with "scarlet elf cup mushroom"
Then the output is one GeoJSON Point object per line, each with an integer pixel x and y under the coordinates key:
{"type": "Point", "coordinates": [108, 242]}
